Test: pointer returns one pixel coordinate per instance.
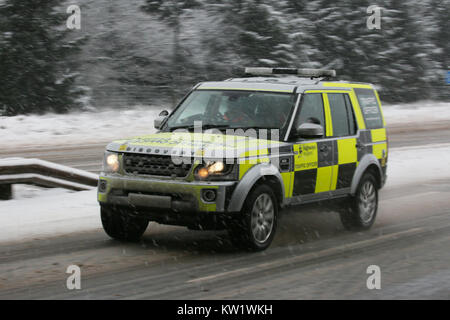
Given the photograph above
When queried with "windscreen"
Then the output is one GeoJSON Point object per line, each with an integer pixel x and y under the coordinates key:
{"type": "Point", "coordinates": [233, 109]}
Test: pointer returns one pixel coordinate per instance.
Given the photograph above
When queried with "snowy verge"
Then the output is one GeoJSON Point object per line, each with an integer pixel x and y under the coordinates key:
{"type": "Point", "coordinates": [418, 112]}
{"type": "Point", "coordinates": [36, 213]}
{"type": "Point", "coordinates": [108, 125]}
{"type": "Point", "coordinates": [77, 127]}
{"type": "Point", "coordinates": [418, 164]}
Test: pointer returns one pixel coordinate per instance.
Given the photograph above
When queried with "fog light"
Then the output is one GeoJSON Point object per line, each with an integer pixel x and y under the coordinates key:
{"type": "Point", "coordinates": [209, 195]}
{"type": "Point", "coordinates": [203, 173]}
{"type": "Point", "coordinates": [102, 186]}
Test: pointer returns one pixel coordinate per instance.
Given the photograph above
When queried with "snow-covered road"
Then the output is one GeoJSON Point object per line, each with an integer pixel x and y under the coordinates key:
{"type": "Point", "coordinates": [38, 213]}
{"type": "Point", "coordinates": [44, 231]}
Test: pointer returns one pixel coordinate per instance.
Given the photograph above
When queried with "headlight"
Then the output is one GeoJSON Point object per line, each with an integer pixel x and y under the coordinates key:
{"type": "Point", "coordinates": [111, 162]}
{"type": "Point", "coordinates": [215, 169]}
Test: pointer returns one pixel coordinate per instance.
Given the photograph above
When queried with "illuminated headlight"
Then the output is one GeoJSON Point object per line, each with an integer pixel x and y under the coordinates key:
{"type": "Point", "coordinates": [111, 163]}
{"type": "Point", "coordinates": [217, 169]}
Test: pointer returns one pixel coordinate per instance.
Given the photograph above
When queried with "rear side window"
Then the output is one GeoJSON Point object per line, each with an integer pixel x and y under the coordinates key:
{"type": "Point", "coordinates": [370, 108]}
{"type": "Point", "coordinates": [351, 115]}
{"type": "Point", "coordinates": [342, 115]}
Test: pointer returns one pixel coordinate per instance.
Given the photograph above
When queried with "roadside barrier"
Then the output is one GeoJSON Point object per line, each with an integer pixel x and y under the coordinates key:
{"type": "Point", "coordinates": [43, 174]}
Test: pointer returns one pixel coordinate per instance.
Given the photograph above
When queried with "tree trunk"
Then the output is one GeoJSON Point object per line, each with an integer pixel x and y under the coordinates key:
{"type": "Point", "coordinates": [176, 72]}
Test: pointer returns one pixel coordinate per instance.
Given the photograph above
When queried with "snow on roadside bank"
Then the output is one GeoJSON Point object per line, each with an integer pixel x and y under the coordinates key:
{"type": "Point", "coordinates": [418, 164]}
{"type": "Point", "coordinates": [45, 213]}
{"type": "Point", "coordinates": [108, 125]}
{"type": "Point", "coordinates": [36, 213]}
{"type": "Point", "coordinates": [424, 111]}
{"type": "Point", "coordinates": [76, 127]}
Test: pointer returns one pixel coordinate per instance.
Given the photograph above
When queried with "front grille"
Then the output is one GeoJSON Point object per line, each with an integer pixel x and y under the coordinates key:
{"type": "Point", "coordinates": [155, 165]}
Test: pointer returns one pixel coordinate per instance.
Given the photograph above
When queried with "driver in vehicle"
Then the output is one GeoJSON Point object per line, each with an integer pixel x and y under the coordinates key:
{"type": "Point", "coordinates": [235, 114]}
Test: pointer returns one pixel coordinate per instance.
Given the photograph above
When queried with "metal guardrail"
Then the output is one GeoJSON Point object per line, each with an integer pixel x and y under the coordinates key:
{"type": "Point", "coordinates": [43, 174]}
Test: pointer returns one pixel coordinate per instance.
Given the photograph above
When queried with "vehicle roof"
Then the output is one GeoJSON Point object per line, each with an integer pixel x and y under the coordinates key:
{"type": "Point", "coordinates": [287, 84]}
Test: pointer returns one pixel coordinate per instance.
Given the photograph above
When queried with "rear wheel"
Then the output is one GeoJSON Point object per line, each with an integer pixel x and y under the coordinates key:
{"type": "Point", "coordinates": [360, 211]}
{"type": "Point", "coordinates": [120, 225]}
{"type": "Point", "coordinates": [256, 227]}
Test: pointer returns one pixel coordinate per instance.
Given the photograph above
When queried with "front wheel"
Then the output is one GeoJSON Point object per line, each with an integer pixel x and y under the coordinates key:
{"type": "Point", "coordinates": [255, 229]}
{"type": "Point", "coordinates": [120, 225]}
{"type": "Point", "coordinates": [360, 210]}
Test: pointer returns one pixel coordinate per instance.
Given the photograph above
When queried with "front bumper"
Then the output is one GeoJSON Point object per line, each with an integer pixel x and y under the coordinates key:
{"type": "Point", "coordinates": [162, 195]}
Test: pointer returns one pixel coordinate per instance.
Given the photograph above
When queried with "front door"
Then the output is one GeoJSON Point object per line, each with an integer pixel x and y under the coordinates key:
{"type": "Point", "coordinates": [313, 159]}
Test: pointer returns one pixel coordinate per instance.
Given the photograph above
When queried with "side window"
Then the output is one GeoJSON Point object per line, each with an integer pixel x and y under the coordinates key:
{"type": "Point", "coordinates": [339, 114]}
{"type": "Point", "coordinates": [311, 110]}
{"type": "Point", "coordinates": [370, 108]}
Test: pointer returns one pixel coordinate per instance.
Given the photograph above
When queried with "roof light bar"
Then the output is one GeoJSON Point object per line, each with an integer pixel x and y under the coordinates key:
{"type": "Point", "coordinates": [315, 73]}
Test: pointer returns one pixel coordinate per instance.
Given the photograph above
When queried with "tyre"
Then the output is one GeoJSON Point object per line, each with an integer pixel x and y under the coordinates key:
{"type": "Point", "coordinates": [360, 211]}
{"type": "Point", "coordinates": [255, 228]}
{"type": "Point", "coordinates": [120, 225]}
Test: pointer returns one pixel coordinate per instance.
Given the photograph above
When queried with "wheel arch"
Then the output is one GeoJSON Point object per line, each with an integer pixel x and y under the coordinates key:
{"type": "Point", "coordinates": [258, 174]}
{"type": "Point", "coordinates": [369, 163]}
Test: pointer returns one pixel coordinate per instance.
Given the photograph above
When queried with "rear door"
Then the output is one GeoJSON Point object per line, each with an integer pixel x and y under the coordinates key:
{"type": "Point", "coordinates": [344, 130]}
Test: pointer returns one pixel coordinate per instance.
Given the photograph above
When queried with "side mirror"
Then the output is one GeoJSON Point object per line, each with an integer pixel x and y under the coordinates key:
{"type": "Point", "coordinates": [310, 130]}
{"type": "Point", "coordinates": [158, 121]}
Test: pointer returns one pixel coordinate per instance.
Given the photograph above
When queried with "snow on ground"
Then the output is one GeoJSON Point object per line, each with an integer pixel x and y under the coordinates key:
{"type": "Point", "coordinates": [424, 111]}
{"type": "Point", "coordinates": [108, 125]}
{"type": "Point", "coordinates": [418, 164]}
{"type": "Point", "coordinates": [36, 212]}
{"type": "Point", "coordinates": [86, 127]}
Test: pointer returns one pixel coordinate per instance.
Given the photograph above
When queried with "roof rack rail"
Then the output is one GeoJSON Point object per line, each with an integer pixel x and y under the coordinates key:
{"type": "Point", "coordinates": [310, 73]}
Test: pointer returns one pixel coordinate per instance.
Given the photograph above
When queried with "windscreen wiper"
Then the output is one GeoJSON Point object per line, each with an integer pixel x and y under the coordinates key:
{"type": "Point", "coordinates": [203, 127]}
{"type": "Point", "coordinates": [254, 127]}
